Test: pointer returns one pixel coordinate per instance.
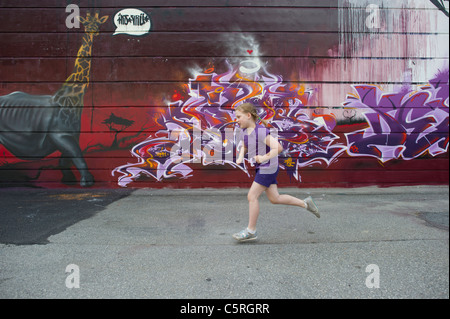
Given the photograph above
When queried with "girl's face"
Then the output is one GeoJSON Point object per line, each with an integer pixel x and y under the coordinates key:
{"type": "Point", "coordinates": [243, 119]}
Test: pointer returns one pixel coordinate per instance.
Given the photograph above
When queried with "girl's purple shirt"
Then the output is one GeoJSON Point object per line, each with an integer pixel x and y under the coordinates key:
{"type": "Point", "coordinates": [257, 142]}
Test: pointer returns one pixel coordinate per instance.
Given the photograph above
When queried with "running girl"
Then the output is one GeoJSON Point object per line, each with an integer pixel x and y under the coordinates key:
{"type": "Point", "coordinates": [263, 149]}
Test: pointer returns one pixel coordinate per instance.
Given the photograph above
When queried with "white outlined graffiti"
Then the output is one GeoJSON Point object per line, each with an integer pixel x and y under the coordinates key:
{"type": "Point", "coordinates": [205, 125]}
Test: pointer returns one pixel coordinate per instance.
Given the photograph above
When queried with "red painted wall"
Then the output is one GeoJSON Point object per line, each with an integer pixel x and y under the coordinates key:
{"type": "Point", "coordinates": [358, 93]}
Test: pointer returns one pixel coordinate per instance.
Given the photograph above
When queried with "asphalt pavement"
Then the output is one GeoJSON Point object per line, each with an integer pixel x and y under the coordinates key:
{"type": "Point", "coordinates": [370, 243]}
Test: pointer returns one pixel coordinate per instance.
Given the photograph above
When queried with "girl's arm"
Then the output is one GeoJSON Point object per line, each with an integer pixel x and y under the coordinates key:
{"type": "Point", "coordinates": [275, 150]}
{"type": "Point", "coordinates": [240, 158]}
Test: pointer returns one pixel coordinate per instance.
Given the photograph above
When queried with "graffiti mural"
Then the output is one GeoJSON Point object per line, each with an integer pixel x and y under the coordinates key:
{"type": "Point", "coordinates": [400, 125]}
{"type": "Point", "coordinates": [42, 124]}
{"type": "Point", "coordinates": [404, 124]}
{"type": "Point", "coordinates": [152, 103]}
{"type": "Point", "coordinates": [306, 139]}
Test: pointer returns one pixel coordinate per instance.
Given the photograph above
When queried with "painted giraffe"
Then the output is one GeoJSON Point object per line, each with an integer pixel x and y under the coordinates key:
{"type": "Point", "coordinates": [39, 125]}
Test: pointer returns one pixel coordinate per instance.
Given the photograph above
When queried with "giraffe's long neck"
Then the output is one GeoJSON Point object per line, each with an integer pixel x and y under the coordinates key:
{"type": "Point", "coordinates": [71, 93]}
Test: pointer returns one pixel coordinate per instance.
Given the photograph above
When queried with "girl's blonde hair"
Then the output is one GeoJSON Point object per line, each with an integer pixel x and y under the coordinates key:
{"type": "Point", "coordinates": [250, 108]}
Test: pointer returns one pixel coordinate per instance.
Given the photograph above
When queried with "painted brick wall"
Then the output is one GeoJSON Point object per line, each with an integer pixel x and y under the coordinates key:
{"type": "Point", "coordinates": [357, 91]}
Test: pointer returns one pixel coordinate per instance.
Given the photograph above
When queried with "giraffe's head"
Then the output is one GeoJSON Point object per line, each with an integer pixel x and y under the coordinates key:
{"type": "Point", "coordinates": [92, 23]}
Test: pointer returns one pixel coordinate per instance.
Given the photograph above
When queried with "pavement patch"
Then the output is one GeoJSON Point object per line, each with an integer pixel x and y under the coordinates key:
{"type": "Point", "coordinates": [436, 219]}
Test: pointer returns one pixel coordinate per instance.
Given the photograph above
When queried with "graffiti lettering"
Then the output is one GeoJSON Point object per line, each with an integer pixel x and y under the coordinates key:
{"type": "Point", "coordinates": [132, 21]}
{"type": "Point", "coordinates": [202, 128]}
{"type": "Point", "coordinates": [403, 124]}
{"type": "Point", "coordinates": [137, 20]}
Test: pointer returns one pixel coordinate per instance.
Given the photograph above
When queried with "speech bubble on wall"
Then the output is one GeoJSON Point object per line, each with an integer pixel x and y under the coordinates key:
{"type": "Point", "coordinates": [132, 21]}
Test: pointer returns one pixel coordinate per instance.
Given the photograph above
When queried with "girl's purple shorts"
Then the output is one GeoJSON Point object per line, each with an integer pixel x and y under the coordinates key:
{"type": "Point", "coordinates": [266, 179]}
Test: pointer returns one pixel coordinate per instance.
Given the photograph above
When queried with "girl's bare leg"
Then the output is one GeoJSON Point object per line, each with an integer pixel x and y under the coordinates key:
{"type": "Point", "coordinates": [253, 204]}
{"type": "Point", "coordinates": [276, 198]}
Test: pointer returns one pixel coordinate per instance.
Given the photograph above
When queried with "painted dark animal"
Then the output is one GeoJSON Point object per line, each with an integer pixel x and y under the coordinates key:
{"type": "Point", "coordinates": [35, 126]}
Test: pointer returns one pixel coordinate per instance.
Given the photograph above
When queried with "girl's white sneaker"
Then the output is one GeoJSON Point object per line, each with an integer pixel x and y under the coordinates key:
{"type": "Point", "coordinates": [311, 206]}
{"type": "Point", "coordinates": [245, 235]}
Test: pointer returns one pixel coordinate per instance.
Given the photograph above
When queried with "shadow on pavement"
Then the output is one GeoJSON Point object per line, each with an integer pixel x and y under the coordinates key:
{"type": "Point", "coordinates": [31, 216]}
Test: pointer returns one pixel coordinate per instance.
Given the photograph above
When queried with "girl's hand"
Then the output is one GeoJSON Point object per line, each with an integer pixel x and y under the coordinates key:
{"type": "Point", "coordinates": [239, 161]}
{"type": "Point", "coordinates": [259, 159]}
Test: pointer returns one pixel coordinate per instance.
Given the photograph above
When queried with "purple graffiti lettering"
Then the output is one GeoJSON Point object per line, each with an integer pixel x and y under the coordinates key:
{"type": "Point", "coordinates": [202, 129]}
{"type": "Point", "coordinates": [405, 125]}
{"type": "Point", "coordinates": [207, 131]}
